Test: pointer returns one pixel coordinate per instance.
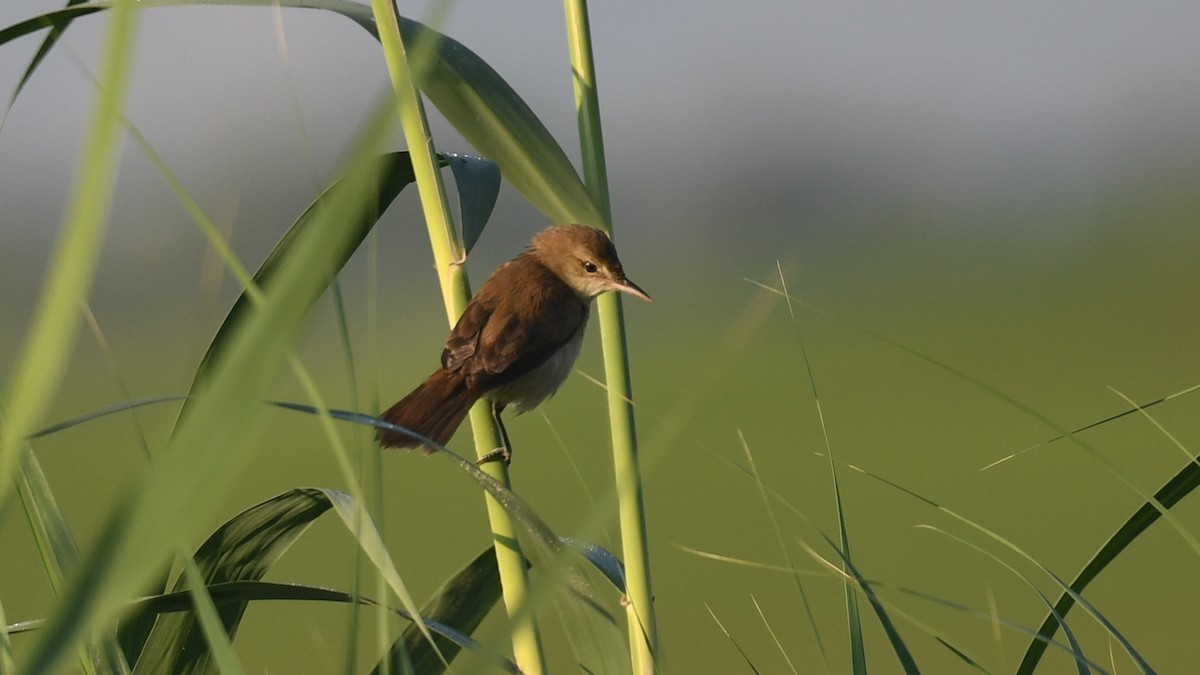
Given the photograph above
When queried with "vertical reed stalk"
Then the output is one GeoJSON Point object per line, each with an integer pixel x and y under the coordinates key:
{"type": "Point", "coordinates": [456, 293]}
{"type": "Point", "coordinates": [643, 632]}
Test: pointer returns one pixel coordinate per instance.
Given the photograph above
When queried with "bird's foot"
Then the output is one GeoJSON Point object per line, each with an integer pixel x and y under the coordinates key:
{"type": "Point", "coordinates": [501, 453]}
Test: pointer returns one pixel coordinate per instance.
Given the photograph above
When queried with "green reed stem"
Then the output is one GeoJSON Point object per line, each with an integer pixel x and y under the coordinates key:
{"type": "Point", "coordinates": [643, 632]}
{"type": "Point", "coordinates": [456, 293]}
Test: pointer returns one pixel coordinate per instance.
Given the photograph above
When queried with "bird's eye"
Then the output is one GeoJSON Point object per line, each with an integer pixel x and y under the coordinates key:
{"type": "Point", "coordinates": [590, 267]}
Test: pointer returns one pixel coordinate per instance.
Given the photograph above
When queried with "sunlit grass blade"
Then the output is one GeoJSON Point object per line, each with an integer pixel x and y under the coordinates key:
{"type": "Point", "coordinates": [173, 498]}
{"type": "Point", "coordinates": [397, 39]}
{"type": "Point", "coordinates": [56, 317]}
{"type": "Point", "coordinates": [1184, 533]}
{"type": "Point", "coordinates": [60, 554]}
{"type": "Point", "coordinates": [1136, 407]}
{"type": "Point", "coordinates": [774, 637]}
{"type": "Point", "coordinates": [462, 602]}
{"type": "Point", "coordinates": [1058, 617]}
{"type": "Point", "coordinates": [387, 176]}
{"type": "Point", "coordinates": [734, 642]}
{"type": "Point", "coordinates": [641, 618]}
{"type": "Point", "coordinates": [853, 618]}
{"type": "Point", "coordinates": [217, 642]}
{"type": "Point", "coordinates": [7, 664]}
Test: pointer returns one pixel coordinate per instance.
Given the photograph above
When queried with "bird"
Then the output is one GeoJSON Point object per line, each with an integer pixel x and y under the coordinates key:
{"type": "Point", "coordinates": [517, 339]}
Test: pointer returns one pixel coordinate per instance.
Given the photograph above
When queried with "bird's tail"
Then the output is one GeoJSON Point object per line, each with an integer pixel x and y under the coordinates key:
{"type": "Point", "coordinates": [434, 410]}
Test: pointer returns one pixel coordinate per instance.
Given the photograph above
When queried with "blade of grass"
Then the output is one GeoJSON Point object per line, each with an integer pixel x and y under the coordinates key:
{"type": "Point", "coordinates": [589, 627]}
{"type": "Point", "coordinates": [1080, 660]}
{"type": "Point", "coordinates": [242, 549]}
{"type": "Point", "coordinates": [851, 573]}
{"type": "Point", "coordinates": [217, 642]}
{"type": "Point", "coordinates": [728, 636]}
{"type": "Point", "coordinates": [207, 448]}
{"type": "Point", "coordinates": [853, 618]}
{"type": "Point", "coordinates": [56, 320]}
{"type": "Point", "coordinates": [835, 570]}
{"type": "Point", "coordinates": [1057, 616]}
{"type": "Point", "coordinates": [774, 637]}
{"type": "Point", "coordinates": [6, 653]}
{"type": "Point", "coordinates": [60, 554]}
{"type": "Point", "coordinates": [762, 489]}
{"type": "Point", "coordinates": [1171, 493]}
{"type": "Point", "coordinates": [388, 174]}
{"type": "Point", "coordinates": [103, 412]}
{"type": "Point", "coordinates": [1134, 407]}
{"type": "Point", "coordinates": [243, 592]}
{"type": "Point", "coordinates": [1184, 533]}
{"type": "Point", "coordinates": [44, 49]}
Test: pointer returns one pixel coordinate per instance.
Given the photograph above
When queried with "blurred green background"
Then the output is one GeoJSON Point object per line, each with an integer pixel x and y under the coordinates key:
{"type": "Point", "coordinates": [1007, 190]}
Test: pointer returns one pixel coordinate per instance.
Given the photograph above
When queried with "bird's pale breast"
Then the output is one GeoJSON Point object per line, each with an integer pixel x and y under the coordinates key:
{"type": "Point", "coordinates": [540, 383]}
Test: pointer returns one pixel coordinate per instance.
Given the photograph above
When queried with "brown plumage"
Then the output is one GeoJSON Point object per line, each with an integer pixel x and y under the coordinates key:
{"type": "Point", "coordinates": [518, 338]}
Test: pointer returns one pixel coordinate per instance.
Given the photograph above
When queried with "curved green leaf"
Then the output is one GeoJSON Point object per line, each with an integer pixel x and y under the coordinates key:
{"type": "Point", "coordinates": [470, 93]}
{"type": "Point", "coordinates": [388, 175]}
{"type": "Point", "coordinates": [242, 549]}
{"type": "Point", "coordinates": [501, 126]}
{"type": "Point", "coordinates": [1181, 485]}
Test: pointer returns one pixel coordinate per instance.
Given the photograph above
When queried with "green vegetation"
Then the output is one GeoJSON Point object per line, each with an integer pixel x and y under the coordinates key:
{"type": "Point", "coordinates": [795, 522]}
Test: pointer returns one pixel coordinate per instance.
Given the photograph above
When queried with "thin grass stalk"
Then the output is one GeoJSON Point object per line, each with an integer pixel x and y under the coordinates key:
{"type": "Point", "coordinates": [643, 631]}
{"type": "Point", "coordinates": [456, 293]}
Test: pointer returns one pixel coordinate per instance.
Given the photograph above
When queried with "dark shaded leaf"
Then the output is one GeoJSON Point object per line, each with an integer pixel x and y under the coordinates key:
{"type": "Point", "coordinates": [608, 564]}
{"type": "Point", "coordinates": [898, 646]}
{"type": "Point", "coordinates": [242, 549]}
{"type": "Point", "coordinates": [56, 32]}
{"type": "Point", "coordinates": [461, 603]}
{"type": "Point", "coordinates": [103, 412]}
{"type": "Point", "coordinates": [590, 627]}
{"type": "Point", "coordinates": [478, 182]}
{"type": "Point", "coordinates": [242, 592]}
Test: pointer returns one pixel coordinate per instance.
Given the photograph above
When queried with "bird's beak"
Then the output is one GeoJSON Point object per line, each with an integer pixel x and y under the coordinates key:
{"type": "Point", "coordinates": [624, 285]}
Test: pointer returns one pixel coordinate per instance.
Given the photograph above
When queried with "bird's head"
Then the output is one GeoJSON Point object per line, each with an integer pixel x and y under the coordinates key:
{"type": "Point", "coordinates": [585, 259]}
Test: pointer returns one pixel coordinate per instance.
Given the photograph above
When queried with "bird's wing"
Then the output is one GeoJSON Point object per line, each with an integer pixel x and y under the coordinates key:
{"type": "Point", "coordinates": [509, 328]}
